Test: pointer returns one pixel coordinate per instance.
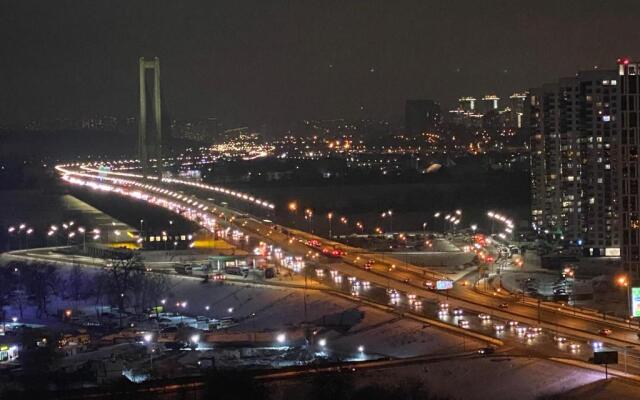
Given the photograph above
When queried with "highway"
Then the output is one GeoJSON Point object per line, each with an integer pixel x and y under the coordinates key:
{"type": "Point", "coordinates": [391, 281]}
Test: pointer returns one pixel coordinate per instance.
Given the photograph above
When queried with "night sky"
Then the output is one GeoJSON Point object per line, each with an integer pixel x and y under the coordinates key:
{"type": "Point", "coordinates": [273, 61]}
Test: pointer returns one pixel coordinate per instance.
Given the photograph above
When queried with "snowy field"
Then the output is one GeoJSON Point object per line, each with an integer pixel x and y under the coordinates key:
{"type": "Point", "coordinates": [480, 379]}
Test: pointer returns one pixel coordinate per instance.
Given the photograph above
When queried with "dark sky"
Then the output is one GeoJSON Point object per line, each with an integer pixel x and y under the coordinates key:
{"type": "Point", "coordinates": [263, 60]}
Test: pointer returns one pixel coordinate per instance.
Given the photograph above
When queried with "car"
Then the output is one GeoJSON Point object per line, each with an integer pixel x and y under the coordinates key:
{"type": "Point", "coordinates": [503, 305]}
{"type": "Point", "coordinates": [513, 323]}
{"type": "Point", "coordinates": [498, 327]}
{"type": "Point", "coordinates": [574, 346]}
{"type": "Point", "coordinates": [535, 329]}
{"type": "Point", "coordinates": [444, 306]}
{"type": "Point", "coordinates": [487, 350]}
{"type": "Point", "coordinates": [443, 312]}
{"type": "Point", "coordinates": [463, 323]}
{"type": "Point", "coordinates": [605, 331]}
{"type": "Point", "coordinates": [218, 277]}
{"type": "Point", "coordinates": [484, 317]}
{"type": "Point", "coordinates": [560, 339]}
{"type": "Point", "coordinates": [458, 311]}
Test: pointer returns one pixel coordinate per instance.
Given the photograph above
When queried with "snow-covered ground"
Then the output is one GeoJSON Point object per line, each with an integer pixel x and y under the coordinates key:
{"type": "Point", "coordinates": [471, 379]}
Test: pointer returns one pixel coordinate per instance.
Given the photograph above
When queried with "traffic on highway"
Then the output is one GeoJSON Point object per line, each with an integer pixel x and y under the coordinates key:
{"type": "Point", "coordinates": [378, 278]}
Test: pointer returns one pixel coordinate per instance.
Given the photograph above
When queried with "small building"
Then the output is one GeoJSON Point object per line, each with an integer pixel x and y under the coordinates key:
{"type": "Point", "coordinates": [9, 349]}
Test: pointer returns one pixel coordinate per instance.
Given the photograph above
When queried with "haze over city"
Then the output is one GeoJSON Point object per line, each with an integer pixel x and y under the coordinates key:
{"type": "Point", "coordinates": [256, 61]}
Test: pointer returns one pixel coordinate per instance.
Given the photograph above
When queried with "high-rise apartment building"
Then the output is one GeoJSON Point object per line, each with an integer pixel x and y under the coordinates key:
{"type": "Point", "coordinates": [422, 116]}
{"type": "Point", "coordinates": [572, 128]}
{"type": "Point", "coordinates": [628, 163]}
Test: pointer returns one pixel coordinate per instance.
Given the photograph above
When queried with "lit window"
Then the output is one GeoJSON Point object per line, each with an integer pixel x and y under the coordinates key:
{"type": "Point", "coordinates": [606, 118]}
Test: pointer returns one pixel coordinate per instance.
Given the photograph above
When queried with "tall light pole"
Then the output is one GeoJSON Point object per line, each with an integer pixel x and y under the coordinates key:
{"type": "Point", "coordinates": [293, 209]}
{"type": "Point", "coordinates": [389, 213]}
{"type": "Point", "coordinates": [344, 220]}
{"type": "Point", "coordinates": [27, 233]}
{"type": "Point", "coordinates": [309, 216]}
{"type": "Point", "coordinates": [623, 281]}
{"type": "Point", "coordinates": [330, 218]}
{"type": "Point", "coordinates": [84, 239]}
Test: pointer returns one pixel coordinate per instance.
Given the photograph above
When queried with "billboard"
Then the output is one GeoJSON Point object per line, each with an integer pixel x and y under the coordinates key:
{"type": "Point", "coordinates": [635, 301]}
{"type": "Point", "coordinates": [605, 357]}
{"type": "Point", "coordinates": [446, 284]}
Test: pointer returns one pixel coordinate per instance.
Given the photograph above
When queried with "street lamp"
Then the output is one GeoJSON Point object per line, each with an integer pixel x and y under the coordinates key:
{"type": "Point", "coordinates": [293, 209]}
{"type": "Point", "coordinates": [309, 217]}
{"type": "Point", "coordinates": [281, 338]}
{"type": "Point", "coordinates": [330, 218]}
{"type": "Point", "coordinates": [195, 339]}
{"type": "Point", "coordinates": [623, 281]}
{"type": "Point", "coordinates": [84, 239]}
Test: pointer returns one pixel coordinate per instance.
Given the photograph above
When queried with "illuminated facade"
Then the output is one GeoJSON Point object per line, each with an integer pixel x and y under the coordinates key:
{"type": "Point", "coordinates": [573, 134]}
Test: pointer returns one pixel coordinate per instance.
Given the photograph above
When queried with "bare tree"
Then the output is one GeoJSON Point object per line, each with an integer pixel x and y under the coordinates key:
{"type": "Point", "coordinates": [123, 274]}
{"type": "Point", "coordinates": [76, 283]}
{"type": "Point", "coordinates": [7, 286]}
{"type": "Point", "coordinates": [155, 288]}
{"type": "Point", "coordinates": [99, 286]}
{"type": "Point", "coordinates": [40, 281]}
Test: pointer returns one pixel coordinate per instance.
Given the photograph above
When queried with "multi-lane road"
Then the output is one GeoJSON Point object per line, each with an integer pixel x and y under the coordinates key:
{"type": "Point", "coordinates": [386, 275]}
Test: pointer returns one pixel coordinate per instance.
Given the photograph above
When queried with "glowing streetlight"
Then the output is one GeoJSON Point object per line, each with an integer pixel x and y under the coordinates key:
{"type": "Point", "coordinates": [361, 349]}
{"type": "Point", "coordinates": [281, 338]}
{"type": "Point", "coordinates": [293, 206]}
{"type": "Point", "coordinates": [322, 342]}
